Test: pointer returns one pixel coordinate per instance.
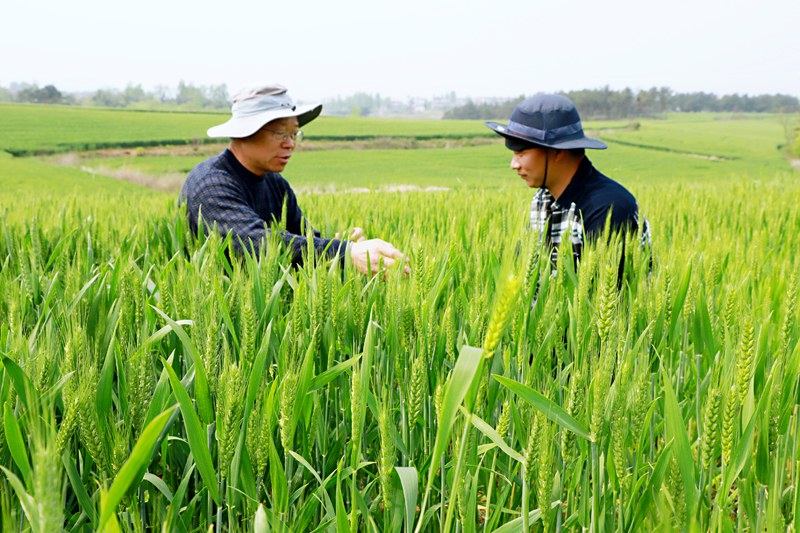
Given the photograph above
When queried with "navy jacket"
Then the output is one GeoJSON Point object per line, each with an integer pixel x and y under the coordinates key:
{"type": "Point", "coordinates": [247, 205]}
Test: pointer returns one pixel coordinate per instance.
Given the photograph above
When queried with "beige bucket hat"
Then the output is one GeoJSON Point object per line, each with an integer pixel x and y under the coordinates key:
{"type": "Point", "coordinates": [259, 104]}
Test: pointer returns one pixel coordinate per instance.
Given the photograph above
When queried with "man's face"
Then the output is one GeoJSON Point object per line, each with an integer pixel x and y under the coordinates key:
{"type": "Point", "coordinates": [530, 165]}
{"type": "Point", "coordinates": [269, 149]}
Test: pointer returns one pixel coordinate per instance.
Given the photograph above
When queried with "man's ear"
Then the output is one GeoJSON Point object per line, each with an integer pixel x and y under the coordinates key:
{"type": "Point", "coordinates": [559, 155]}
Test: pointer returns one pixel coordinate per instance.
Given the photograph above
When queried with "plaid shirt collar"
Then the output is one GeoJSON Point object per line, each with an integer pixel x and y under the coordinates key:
{"type": "Point", "coordinates": [548, 214]}
{"type": "Point", "coordinates": [553, 218]}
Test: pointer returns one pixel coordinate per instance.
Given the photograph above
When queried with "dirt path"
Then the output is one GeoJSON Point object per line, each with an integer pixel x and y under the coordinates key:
{"type": "Point", "coordinates": [401, 188]}
{"type": "Point", "coordinates": [308, 145]}
{"type": "Point", "coordinates": [171, 182]}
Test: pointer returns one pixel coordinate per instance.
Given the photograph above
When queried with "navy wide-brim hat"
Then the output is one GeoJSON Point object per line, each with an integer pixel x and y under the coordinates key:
{"type": "Point", "coordinates": [548, 120]}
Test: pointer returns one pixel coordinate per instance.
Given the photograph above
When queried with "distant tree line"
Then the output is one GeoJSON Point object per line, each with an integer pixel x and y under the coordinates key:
{"type": "Point", "coordinates": [185, 97]}
{"type": "Point", "coordinates": [601, 103]}
{"type": "Point", "coordinates": [608, 104]}
{"type": "Point", "coordinates": [358, 104]}
{"type": "Point", "coordinates": [33, 94]}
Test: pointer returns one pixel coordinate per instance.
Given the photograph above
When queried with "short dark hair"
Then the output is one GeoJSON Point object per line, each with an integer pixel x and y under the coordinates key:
{"type": "Point", "coordinates": [519, 145]}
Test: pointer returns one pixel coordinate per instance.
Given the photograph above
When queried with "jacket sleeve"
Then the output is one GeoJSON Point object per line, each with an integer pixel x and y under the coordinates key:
{"type": "Point", "coordinates": [222, 204]}
{"type": "Point", "coordinates": [300, 227]}
{"type": "Point", "coordinates": [624, 218]}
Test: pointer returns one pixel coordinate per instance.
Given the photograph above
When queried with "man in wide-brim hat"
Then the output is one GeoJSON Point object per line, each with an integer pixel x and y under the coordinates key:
{"type": "Point", "coordinates": [241, 191]}
{"type": "Point", "coordinates": [546, 137]}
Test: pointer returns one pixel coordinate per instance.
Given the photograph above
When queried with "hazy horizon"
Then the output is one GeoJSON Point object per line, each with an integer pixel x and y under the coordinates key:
{"type": "Point", "coordinates": [89, 92]}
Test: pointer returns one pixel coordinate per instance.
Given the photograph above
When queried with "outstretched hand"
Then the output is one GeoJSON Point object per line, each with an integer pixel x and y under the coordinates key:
{"type": "Point", "coordinates": [373, 255]}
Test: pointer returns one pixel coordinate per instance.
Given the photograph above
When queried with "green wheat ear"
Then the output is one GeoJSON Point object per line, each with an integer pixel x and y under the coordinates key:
{"type": "Point", "coordinates": [229, 415]}
{"type": "Point", "coordinates": [711, 426]}
{"type": "Point", "coordinates": [501, 315]}
{"type": "Point", "coordinates": [286, 408]}
{"type": "Point", "coordinates": [544, 486]}
{"type": "Point", "coordinates": [387, 455]}
{"type": "Point", "coordinates": [417, 390]}
{"type": "Point", "coordinates": [745, 358]}
{"type": "Point", "coordinates": [728, 426]}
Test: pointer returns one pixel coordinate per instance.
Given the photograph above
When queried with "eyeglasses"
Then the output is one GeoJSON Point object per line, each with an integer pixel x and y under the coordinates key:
{"type": "Point", "coordinates": [284, 136]}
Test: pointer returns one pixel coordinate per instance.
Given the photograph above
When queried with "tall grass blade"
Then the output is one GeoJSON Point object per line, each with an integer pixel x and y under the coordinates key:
{"type": "Point", "coordinates": [105, 385]}
{"type": "Point", "coordinates": [547, 407]}
{"type": "Point", "coordinates": [16, 445]}
{"type": "Point", "coordinates": [492, 434]}
{"type": "Point", "coordinates": [325, 377]}
{"type": "Point", "coordinates": [195, 434]}
{"type": "Point", "coordinates": [515, 526]}
{"type": "Point", "coordinates": [84, 500]}
{"type": "Point", "coordinates": [138, 460]}
{"type": "Point", "coordinates": [409, 480]}
{"type": "Point", "coordinates": [280, 488]}
{"type": "Point", "coordinates": [27, 502]}
{"type": "Point", "coordinates": [160, 394]}
{"type": "Point", "coordinates": [159, 484]}
{"type": "Point", "coordinates": [646, 503]}
{"type": "Point", "coordinates": [464, 373]}
{"type": "Point", "coordinates": [342, 518]}
{"type": "Point", "coordinates": [22, 384]}
{"type": "Point", "coordinates": [201, 391]}
{"type": "Point", "coordinates": [676, 431]}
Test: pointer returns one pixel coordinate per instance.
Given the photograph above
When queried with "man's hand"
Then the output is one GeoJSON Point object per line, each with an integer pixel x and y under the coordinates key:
{"type": "Point", "coordinates": [369, 256]}
{"type": "Point", "coordinates": [356, 235]}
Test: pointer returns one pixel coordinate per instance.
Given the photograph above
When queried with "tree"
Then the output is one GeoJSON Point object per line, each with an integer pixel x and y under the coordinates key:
{"type": "Point", "coordinates": [133, 94]}
{"type": "Point", "coordinates": [106, 98]}
{"type": "Point", "coordinates": [189, 95]}
{"type": "Point", "coordinates": [217, 96]}
{"type": "Point", "coordinates": [46, 95]}
{"type": "Point", "coordinates": [468, 111]}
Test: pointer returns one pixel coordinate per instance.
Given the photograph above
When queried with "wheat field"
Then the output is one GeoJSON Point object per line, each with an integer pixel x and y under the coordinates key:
{"type": "Point", "coordinates": [153, 380]}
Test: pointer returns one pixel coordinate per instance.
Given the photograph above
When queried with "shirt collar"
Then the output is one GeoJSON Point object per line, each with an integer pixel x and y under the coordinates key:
{"type": "Point", "coordinates": [241, 170]}
{"type": "Point", "coordinates": [577, 183]}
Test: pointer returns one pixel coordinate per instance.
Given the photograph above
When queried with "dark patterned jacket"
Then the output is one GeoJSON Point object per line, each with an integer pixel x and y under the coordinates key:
{"type": "Point", "coordinates": [234, 200]}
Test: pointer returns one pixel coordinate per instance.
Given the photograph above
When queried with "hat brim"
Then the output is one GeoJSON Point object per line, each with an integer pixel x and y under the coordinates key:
{"type": "Point", "coordinates": [581, 142]}
{"type": "Point", "coordinates": [240, 127]}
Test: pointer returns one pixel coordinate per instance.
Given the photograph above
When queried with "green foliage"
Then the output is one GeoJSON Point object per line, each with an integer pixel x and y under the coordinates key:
{"type": "Point", "coordinates": [44, 95]}
{"type": "Point", "coordinates": [41, 129]}
{"type": "Point", "coordinates": [684, 149]}
{"type": "Point", "coordinates": [604, 103]}
{"type": "Point", "coordinates": [32, 129]}
{"type": "Point", "coordinates": [294, 386]}
{"type": "Point", "coordinates": [796, 144]}
{"type": "Point", "coordinates": [485, 111]}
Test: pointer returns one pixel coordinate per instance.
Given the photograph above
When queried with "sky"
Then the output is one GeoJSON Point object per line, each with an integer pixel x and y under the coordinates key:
{"type": "Point", "coordinates": [321, 49]}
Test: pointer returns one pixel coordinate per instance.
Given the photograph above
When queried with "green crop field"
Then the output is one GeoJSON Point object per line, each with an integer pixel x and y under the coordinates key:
{"type": "Point", "coordinates": [30, 129]}
{"type": "Point", "coordinates": [470, 166]}
{"type": "Point", "coordinates": [147, 382]}
{"type": "Point", "coordinates": [38, 128]}
{"type": "Point", "coordinates": [724, 137]}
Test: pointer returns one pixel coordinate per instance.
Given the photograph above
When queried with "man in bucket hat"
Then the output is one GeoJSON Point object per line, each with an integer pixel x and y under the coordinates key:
{"type": "Point", "coordinates": [546, 136]}
{"type": "Point", "coordinates": [242, 192]}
